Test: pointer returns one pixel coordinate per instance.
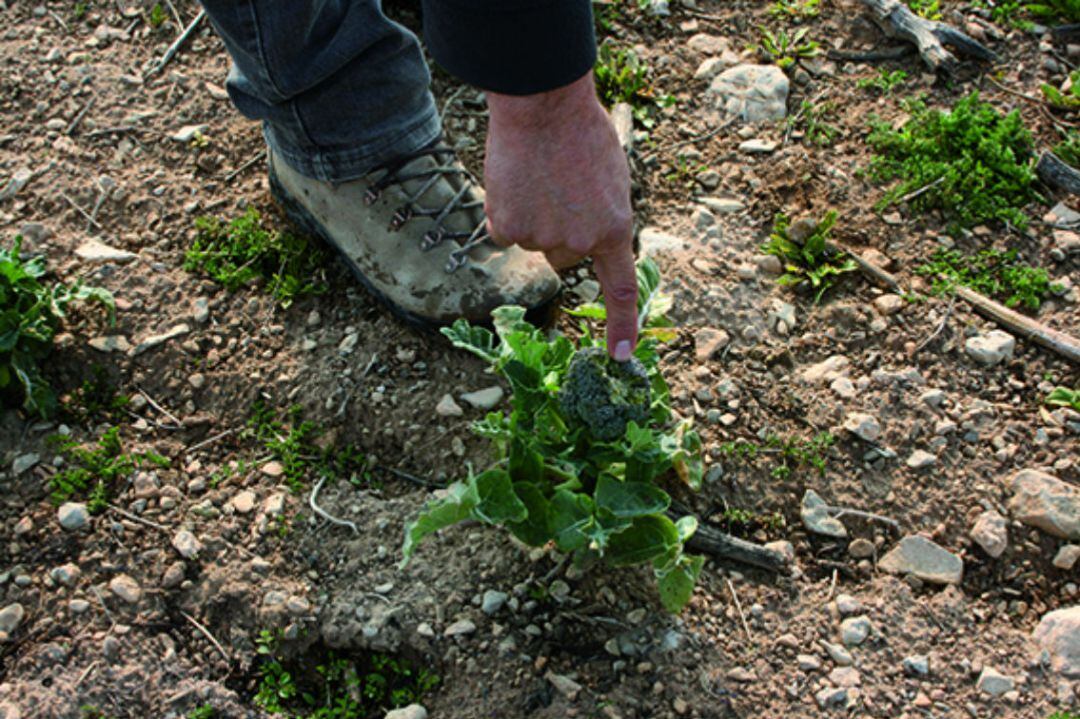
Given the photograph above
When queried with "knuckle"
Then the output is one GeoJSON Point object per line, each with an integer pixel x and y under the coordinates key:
{"type": "Point", "coordinates": [621, 292]}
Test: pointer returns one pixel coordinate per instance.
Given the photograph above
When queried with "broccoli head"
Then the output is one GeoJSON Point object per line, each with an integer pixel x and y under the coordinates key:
{"type": "Point", "coordinates": [604, 395]}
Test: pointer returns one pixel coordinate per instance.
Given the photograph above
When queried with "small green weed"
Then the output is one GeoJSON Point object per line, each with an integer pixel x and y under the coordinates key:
{"type": "Point", "coordinates": [1068, 150]}
{"type": "Point", "coordinates": [795, 10]}
{"type": "Point", "coordinates": [814, 121]}
{"type": "Point", "coordinates": [1063, 715]}
{"type": "Point", "coordinates": [242, 251]}
{"type": "Point", "coordinates": [205, 711]}
{"type": "Point", "coordinates": [31, 312]}
{"type": "Point", "coordinates": [929, 9]}
{"type": "Point", "coordinates": [1064, 397]}
{"type": "Point", "coordinates": [786, 50]}
{"type": "Point", "coordinates": [792, 452]}
{"type": "Point", "coordinates": [622, 76]}
{"type": "Point", "coordinates": [96, 468]}
{"type": "Point", "coordinates": [684, 172]}
{"type": "Point", "coordinates": [80, 9]}
{"type": "Point", "coordinates": [812, 264]}
{"type": "Point", "coordinates": [1005, 12]}
{"type": "Point", "coordinates": [89, 711]}
{"type": "Point", "coordinates": [991, 272]}
{"type": "Point", "coordinates": [972, 163]}
{"type": "Point", "coordinates": [608, 13]}
{"type": "Point", "coordinates": [329, 686]}
{"type": "Point", "coordinates": [157, 16]}
{"type": "Point", "coordinates": [1055, 11]}
{"type": "Point", "coordinates": [95, 400]}
{"type": "Point", "coordinates": [1066, 97]}
{"type": "Point", "coordinates": [884, 82]}
{"type": "Point", "coordinates": [742, 522]}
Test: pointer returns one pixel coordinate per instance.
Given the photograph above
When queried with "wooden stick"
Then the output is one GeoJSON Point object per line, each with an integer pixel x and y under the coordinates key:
{"type": "Point", "coordinates": [175, 47]}
{"type": "Point", "coordinates": [738, 606]}
{"type": "Point", "coordinates": [1063, 344]}
{"type": "Point", "coordinates": [207, 442]}
{"type": "Point", "coordinates": [323, 513]}
{"type": "Point", "coordinates": [712, 541]}
{"type": "Point", "coordinates": [896, 20]}
{"type": "Point", "coordinates": [1058, 174]}
{"type": "Point", "coordinates": [137, 518]}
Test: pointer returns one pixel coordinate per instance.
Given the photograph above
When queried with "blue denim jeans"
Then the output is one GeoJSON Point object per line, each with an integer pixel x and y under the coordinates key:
{"type": "Point", "coordinates": [339, 87]}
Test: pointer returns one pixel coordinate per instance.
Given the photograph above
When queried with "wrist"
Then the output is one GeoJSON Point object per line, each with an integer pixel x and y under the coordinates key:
{"type": "Point", "coordinates": [543, 109]}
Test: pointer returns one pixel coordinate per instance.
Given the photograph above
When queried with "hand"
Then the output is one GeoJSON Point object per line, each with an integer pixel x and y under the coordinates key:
{"type": "Point", "coordinates": [557, 182]}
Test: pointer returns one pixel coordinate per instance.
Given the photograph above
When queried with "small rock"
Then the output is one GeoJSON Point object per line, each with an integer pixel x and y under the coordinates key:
{"type": "Point", "coordinates": [1043, 501]}
{"type": "Point", "coordinates": [186, 544]}
{"type": "Point", "coordinates": [848, 605]}
{"type": "Point", "coordinates": [707, 44]}
{"type": "Point", "coordinates": [863, 426]}
{"type": "Point", "coordinates": [484, 399]}
{"type": "Point", "coordinates": [808, 662]}
{"type": "Point", "coordinates": [755, 93]}
{"type": "Point", "coordinates": [460, 628]}
{"type": "Point", "coordinates": [817, 519]}
{"type": "Point", "coordinates": [921, 459]}
{"type": "Point", "coordinates": [155, 340]}
{"type": "Point", "coordinates": [24, 462]}
{"type": "Point", "coordinates": [244, 501]}
{"type": "Point", "coordinates": [110, 343]}
{"type": "Point", "coordinates": [831, 697]}
{"type": "Point", "coordinates": [861, 548]}
{"type": "Point", "coordinates": [838, 654]}
{"type": "Point", "coordinates": [187, 133]}
{"type": "Point", "coordinates": [97, 251]}
{"type": "Point", "coordinates": [990, 348]}
{"type": "Point", "coordinates": [723, 205]}
{"type": "Point", "coordinates": [174, 576]}
{"type": "Point", "coordinates": [845, 677]}
{"type": "Point", "coordinates": [126, 588]}
{"type": "Point", "coordinates": [991, 532]}
{"type": "Point", "coordinates": [79, 606]}
{"type": "Point", "coordinates": [843, 387]}
{"type": "Point", "coordinates": [24, 526]}
{"type": "Point", "coordinates": [917, 665]}
{"type": "Point", "coordinates": [412, 711]}
{"type": "Point", "coordinates": [994, 683]}
{"type": "Point", "coordinates": [757, 146]}
{"type": "Point", "coordinates": [493, 601]}
{"type": "Point", "coordinates": [563, 684]}
{"type": "Point", "coordinates": [1067, 556]}
{"type": "Point", "coordinates": [924, 559]}
{"type": "Point", "coordinates": [769, 264]}
{"type": "Point", "coordinates": [297, 606]}
{"type": "Point", "coordinates": [73, 515]}
{"type": "Point", "coordinates": [854, 631]}
{"type": "Point", "coordinates": [785, 548]}
{"type": "Point", "coordinates": [1058, 634]}
{"type": "Point", "coordinates": [826, 370]}
{"type": "Point", "coordinates": [708, 342]}
{"type": "Point", "coordinates": [66, 574]}
{"type": "Point", "coordinates": [655, 241]}
{"type": "Point", "coordinates": [11, 617]}
{"type": "Point", "coordinates": [739, 674]}
{"type": "Point", "coordinates": [889, 304]}
{"type": "Point", "coordinates": [273, 469]}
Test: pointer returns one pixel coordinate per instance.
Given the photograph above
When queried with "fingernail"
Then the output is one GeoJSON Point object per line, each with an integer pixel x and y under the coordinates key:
{"type": "Point", "coordinates": [622, 351]}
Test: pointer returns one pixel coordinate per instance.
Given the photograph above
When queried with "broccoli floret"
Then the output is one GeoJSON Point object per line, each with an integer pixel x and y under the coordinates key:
{"type": "Point", "coordinates": [604, 395]}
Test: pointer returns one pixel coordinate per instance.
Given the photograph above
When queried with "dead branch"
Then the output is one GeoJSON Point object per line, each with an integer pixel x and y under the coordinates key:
{"type": "Point", "coordinates": [206, 633]}
{"type": "Point", "coordinates": [712, 541]}
{"type": "Point", "coordinates": [929, 36]}
{"type": "Point", "coordinates": [891, 53]}
{"type": "Point", "coordinates": [1022, 326]}
{"type": "Point", "coordinates": [175, 47]}
{"type": "Point", "coordinates": [1058, 174]}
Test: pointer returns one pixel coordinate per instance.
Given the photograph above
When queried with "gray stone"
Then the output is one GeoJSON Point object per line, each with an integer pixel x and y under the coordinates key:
{"type": "Point", "coordinates": [889, 304]}
{"type": "Point", "coordinates": [838, 654]}
{"type": "Point", "coordinates": [66, 574]}
{"type": "Point", "coordinates": [994, 683]}
{"type": "Point", "coordinates": [808, 662]}
{"type": "Point", "coordinates": [97, 251]}
{"type": "Point", "coordinates": [447, 407]}
{"type": "Point", "coordinates": [845, 677]}
{"type": "Point", "coordinates": [990, 348]}
{"type": "Point", "coordinates": [757, 146]}
{"type": "Point", "coordinates": [186, 544]}
{"type": "Point", "coordinates": [864, 426]}
{"type": "Point", "coordinates": [723, 205]}
{"type": "Point", "coordinates": [843, 387]}
{"type": "Point", "coordinates": [707, 44]}
{"type": "Point", "coordinates": [412, 711]}
{"type": "Point", "coordinates": [1067, 556]}
{"type": "Point", "coordinates": [460, 628]}
{"type": "Point", "coordinates": [817, 519]}
{"type": "Point", "coordinates": [484, 399]}
{"type": "Point", "coordinates": [243, 502]}
{"type": "Point", "coordinates": [861, 548]}
{"type": "Point", "coordinates": [24, 462]}
{"type": "Point", "coordinates": [126, 588]}
{"type": "Point", "coordinates": [921, 459]}
{"type": "Point", "coordinates": [1058, 634]}
{"type": "Point", "coordinates": [755, 93]}
{"type": "Point", "coordinates": [848, 605]}
{"type": "Point", "coordinates": [73, 515]}
{"type": "Point", "coordinates": [1043, 501]}
{"type": "Point", "coordinates": [831, 697]}
{"type": "Point", "coordinates": [11, 617]}
{"type": "Point", "coordinates": [79, 606]}
{"type": "Point", "coordinates": [493, 601]}
{"type": "Point", "coordinates": [918, 556]}
{"type": "Point", "coordinates": [174, 576]}
{"type": "Point", "coordinates": [110, 343]}
{"type": "Point", "coordinates": [187, 133]}
{"type": "Point", "coordinates": [826, 370]}
{"type": "Point", "coordinates": [991, 532]}
{"type": "Point", "coordinates": [563, 684]}
{"type": "Point", "coordinates": [917, 665]}
{"type": "Point", "coordinates": [655, 241]}
{"type": "Point", "coordinates": [854, 631]}
{"type": "Point", "coordinates": [155, 340]}
{"type": "Point", "coordinates": [708, 341]}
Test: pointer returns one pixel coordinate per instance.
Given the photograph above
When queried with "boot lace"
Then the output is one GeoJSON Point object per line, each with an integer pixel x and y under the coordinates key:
{"type": "Point", "coordinates": [396, 174]}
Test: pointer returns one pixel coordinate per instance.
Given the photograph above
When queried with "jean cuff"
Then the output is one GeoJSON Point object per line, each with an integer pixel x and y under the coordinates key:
{"type": "Point", "coordinates": [343, 165]}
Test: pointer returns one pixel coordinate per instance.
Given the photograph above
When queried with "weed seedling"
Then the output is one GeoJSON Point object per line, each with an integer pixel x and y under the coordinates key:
{"type": "Point", "coordinates": [31, 312]}
{"type": "Point", "coordinates": [1066, 97]}
{"type": "Point", "coordinates": [795, 10]}
{"type": "Point", "coordinates": [929, 9]}
{"type": "Point", "coordinates": [622, 76]}
{"type": "Point", "coordinates": [242, 251]}
{"type": "Point", "coordinates": [205, 711]}
{"type": "Point", "coordinates": [1064, 397]}
{"type": "Point", "coordinates": [684, 173]}
{"type": "Point", "coordinates": [884, 82]}
{"type": "Point", "coordinates": [972, 163]}
{"type": "Point", "coordinates": [95, 400]}
{"type": "Point", "coordinates": [1056, 11]}
{"type": "Point", "coordinates": [1005, 12]}
{"type": "Point", "coordinates": [786, 50]}
{"type": "Point", "coordinates": [809, 264]}
{"type": "Point", "coordinates": [793, 453]}
{"type": "Point", "coordinates": [96, 468]}
{"type": "Point", "coordinates": [991, 272]}
{"type": "Point", "coordinates": [157, 16]}
{"type": "Point", "coordinates": [1068, 150]}
{"type": "Point", "coordinates": [814, 121]}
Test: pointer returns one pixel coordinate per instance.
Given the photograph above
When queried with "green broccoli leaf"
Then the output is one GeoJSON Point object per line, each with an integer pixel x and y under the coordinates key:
{"type": "Point", "coordinates": [676, 582]}
{"type": "Point", "coordinates": [534, 529]}
{"type": "Point", "coordinates": [568, 516]}
{"type": "Point", "coordinates": [478, 340]}
{"type": "Point", "coordinates": [630, 499]}
{"type": "Point", "coordinates": [455, 507]}
{"type": "Point", "coordinates": [495, 498]}
{"type": "Point", "coordinates": [648, 538]}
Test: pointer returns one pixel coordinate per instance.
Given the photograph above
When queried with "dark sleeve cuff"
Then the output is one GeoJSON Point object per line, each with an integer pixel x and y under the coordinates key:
{"type": "Point", "coordinates": [514, 47]}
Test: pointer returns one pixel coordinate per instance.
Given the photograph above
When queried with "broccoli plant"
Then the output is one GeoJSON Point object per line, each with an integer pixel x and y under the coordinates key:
{"type": "Point", "coordinates": [584, 450]}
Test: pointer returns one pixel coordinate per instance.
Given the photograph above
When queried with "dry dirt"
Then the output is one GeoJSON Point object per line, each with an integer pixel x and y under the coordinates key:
{"type": "Point", "coordinates": [76, 109]}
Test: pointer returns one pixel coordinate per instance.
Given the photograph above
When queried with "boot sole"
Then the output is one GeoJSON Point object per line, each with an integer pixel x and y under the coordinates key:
{"type": "Point", "coordinates": [298, 215]}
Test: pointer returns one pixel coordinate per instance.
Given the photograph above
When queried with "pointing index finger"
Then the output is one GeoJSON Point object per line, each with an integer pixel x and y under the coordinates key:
{"type": "Point", "coordinates": [618, 278]}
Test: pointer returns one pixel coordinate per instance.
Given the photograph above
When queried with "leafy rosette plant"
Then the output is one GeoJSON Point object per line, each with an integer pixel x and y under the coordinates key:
{"type": "Point", "coordinates": [564, 475]}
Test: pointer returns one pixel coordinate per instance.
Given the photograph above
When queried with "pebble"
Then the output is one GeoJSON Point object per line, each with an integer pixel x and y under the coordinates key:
{"type": "Point", "coordinates": [724, 205]}
{"type": "Point", "coordinates": [739, 674]}
{"type": "Point", "coordinates": [757, 146]}
{"type": "Point", "coordinates": [174, 576]}
{"type": "Point", "coordinates": [126, 588]}
{"type": "Point", "coordinates": [154, 340]}
{"type": "Point", "coordinates": [991, 348]}
{"type": "Point", "coordinates": [889, 304]}
{"type": "Point", "coordinates": [493, 601]}
{"type": "Point", "coordinates": [187, 133]}
{"type": "Point", "coordinates": [348, 344]}
{"type": "Point", "coordinates": [447, 407]}
{"type": "Point", "coordinates": [655, 241]}
{"type": "Point", "coordinates": [707, 44]}
{"type": "Point", "coordinates": [24, 462]}
{"type": "Point", "coordinates": [186, 544]}
{"type": "Point", "coordinates": [66, 574]}
{"type": "Point", "coordinates": [1058, 633]}
{"type": "Point", "coordinates": [844, 388]}
{"type": "Point", "coordinates": [826, 370]}
{"type": "Point", "coordinates": [197, 380]}
{"type": "Point", "coordinates": [994, 683]}
{"type": "Point", "coordinates": [863, 426]}
{"type": "Point", "coordinates": [917, 665]}
{"type": "Point", "coordinates": [110, 343]}
{"type": "Point", "coordinates": [845, 677]}
{"type": "Point", "coordinates": [848, 605]}
{"type": "Point", "coordinates": [73, 515]}
{"type": "Point", "coordinates": [808, 662]}
{"type": "Point", "coordinates": [861, 548]}
{"type": "Point", "coordinates": [854, 631]}
{"type": "Point", "coordinates": [97, 251]}
{"type": "Point", "coordinates": [272, 469]}
{"type": "Point", "coordinates": [11, 617]}
{"type": "Point", "coordinates": [924, 559]}
{"type": "Point", "coordinates": [817, 519]}
{"type": "Point", "coordinates": [412, 711]}
{"type": "Point", "coordinates": [1043, 501]}
{"type": "Point", "coordinates": [991, 532]}
{"type": "Point", "coordinates": [921, 459]}
{"type": "Point", "coordinates": [563, 684]}
{"type": "Point", "coordinates": [297, 606]}
{"type": "Point", "coordinates": [78, 606]}
{"type": "Point", "coordinates": [484, 399]}
{"type": "Point", "coordinates": [708, 341]}
{"type": "Point", "coordinates": [838, 654]}
{"type": "Point", "coordinates": [460, 628]}
{"type": "Point", "coordinates": [831, 697]}
{"type": "Point", "coordinates": [243, 502]}
{"type": "Point", "coordinates": [755, 93]}
{"type": "Point", "coordinates": [1067, 556]}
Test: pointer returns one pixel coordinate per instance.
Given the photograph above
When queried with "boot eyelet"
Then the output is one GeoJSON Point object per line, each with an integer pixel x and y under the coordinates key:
{"type": "Point", "coordinates": [370, 196]}
{"type": "Point", "coordinates": [431, 239]}
{"type": "Point", "coordinates": [401, 216]}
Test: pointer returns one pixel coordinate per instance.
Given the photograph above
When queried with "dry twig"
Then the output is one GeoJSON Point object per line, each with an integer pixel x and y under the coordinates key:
{"type": "Point", "coordinates": [323, 513]}
{"type": "Point", "coordinates": [136, 518]}
{"type": "Point", "coordinates": [738, 606]}
{"type": "Point", "coordinates": [175, 47]}
{"type": "Point", "coordinates": [206, 633]}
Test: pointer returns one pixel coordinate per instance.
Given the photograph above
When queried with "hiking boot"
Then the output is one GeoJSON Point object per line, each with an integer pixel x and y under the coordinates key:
{"type": "Point", "coordinates": [413, 232]}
